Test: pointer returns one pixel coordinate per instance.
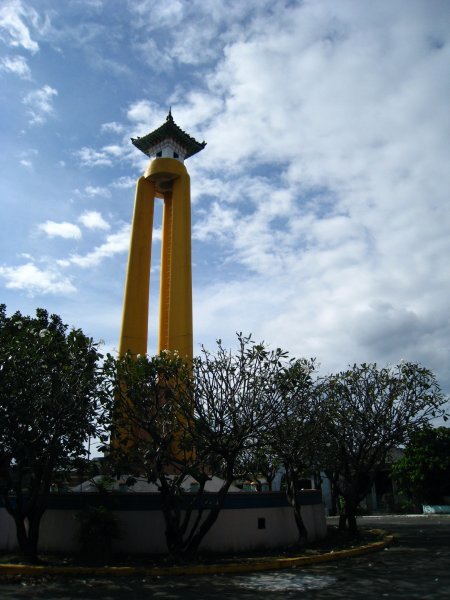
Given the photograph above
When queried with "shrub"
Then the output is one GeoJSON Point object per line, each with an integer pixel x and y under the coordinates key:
{"type": "Point", "coordinates": [98, 529]}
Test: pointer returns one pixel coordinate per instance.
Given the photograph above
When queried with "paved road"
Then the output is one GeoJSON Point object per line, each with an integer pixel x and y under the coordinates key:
{"type": "Point", "coordinates": [417, 567]}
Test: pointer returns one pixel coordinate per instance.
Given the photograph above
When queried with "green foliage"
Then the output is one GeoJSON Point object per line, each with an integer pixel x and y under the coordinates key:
{"type": "Point", "coordinates": [173, 421]}
{"type": "Point", "coordinates": [152, 435]}
{"type": "Point", "coordinates": [225, 413]}
{"type": "Point", "coordinates": [235, 399]}
{"type": "Point", "coordinates": [149, 396]}
{"type": "Point", "coordinates": [49, 387]}
{"type": "Point", "coordinates": [423, 472]}
{"type": "Point", "coordinates": [295, 434]}
{"type": "Point", "coordinates": [50, 391]}
{"type": "Point", "coordinates": [98, 529]}
{"type": "Point", "coordinates": [259, 464]}
{"type": "Point", "coordinates": [370, 411]}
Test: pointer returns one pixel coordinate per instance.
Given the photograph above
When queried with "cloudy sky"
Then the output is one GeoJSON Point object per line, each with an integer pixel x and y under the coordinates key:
{"type": "Point", "coordinates": [320, 203]}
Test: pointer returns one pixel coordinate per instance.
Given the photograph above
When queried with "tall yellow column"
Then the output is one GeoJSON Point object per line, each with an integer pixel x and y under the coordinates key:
{"type": "Point", "coordinates": [165, 280]}
{"type": "Point", "coordinates": [180, 297]}
{"type": "Point", "coordinates": [169, 179]}
{"type": "Point", "coordinates": [175, 316]}
{"type": "Point", "coordinates": [165, 177]}
{"type": "Point", "coordinates": [134, 332]}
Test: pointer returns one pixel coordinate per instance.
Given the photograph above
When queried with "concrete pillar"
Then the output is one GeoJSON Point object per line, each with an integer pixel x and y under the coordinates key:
{"type": "Point", "coordinates": [134, 332]}
{"type": "Point", "coordinates": [175, 331]}
{"type": "Point", "coordinates": [168, 179]}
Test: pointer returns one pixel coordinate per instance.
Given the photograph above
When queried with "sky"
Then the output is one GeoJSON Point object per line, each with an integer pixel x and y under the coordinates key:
{"type": "Point", "coordinates": [320, 205]}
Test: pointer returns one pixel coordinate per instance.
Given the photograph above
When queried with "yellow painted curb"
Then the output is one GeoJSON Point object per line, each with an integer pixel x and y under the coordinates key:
{"type": "Point", "coordinates": [258, 564]}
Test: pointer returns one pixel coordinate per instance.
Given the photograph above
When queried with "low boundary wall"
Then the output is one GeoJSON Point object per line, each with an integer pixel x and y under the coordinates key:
{"type": "Point", "coordinates": [248, 521]}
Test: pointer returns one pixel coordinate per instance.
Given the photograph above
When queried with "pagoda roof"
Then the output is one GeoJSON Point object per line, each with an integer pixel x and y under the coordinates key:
{"type": "Point", "coordinates": [169, 130]}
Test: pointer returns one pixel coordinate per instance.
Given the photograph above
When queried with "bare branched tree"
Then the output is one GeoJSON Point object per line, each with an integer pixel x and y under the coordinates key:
{"type": "Point", "coordinates": [371, 410]}
{"type": "Point", "coordinates": [175, 421]}
{"type": "Point", "coordinates": [295, 435]}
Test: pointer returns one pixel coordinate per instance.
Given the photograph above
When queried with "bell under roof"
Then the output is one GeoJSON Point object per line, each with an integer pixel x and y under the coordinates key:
{"type": "Point", "coordinates": [168, 131]}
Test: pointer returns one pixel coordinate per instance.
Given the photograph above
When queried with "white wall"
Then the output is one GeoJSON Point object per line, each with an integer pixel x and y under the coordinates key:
{"type": "Point", "coordinates": [8, 538]}
{"type": "Point", "coordinates": [235, 530]}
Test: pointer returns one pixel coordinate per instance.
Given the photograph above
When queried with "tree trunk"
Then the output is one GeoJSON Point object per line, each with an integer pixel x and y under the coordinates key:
{"type": "Point", "coordinates": [352, 525]}
{"type": "Point", "coordinates": [292, 496]}
{"type": "Point", "coordinates": [197, 537]}
{"type": "Point", "coordinates": [27, 520]}
{"type": "Point", "coordinates": [347, 519]}
{"type": "Point", "coordinates": [334, 498]}
{"type": "Point", "coordinates": [184, 536]}
{"type": "Point", "coordinates": [27, 539]}
{"type": "Point", "coordinates": [171, 511]}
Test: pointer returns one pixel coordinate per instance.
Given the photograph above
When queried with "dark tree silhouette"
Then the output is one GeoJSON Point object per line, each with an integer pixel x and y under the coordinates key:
{"type": "Point", "coordinates": [50, 391]}
{"type": "Point", "coordinates": [371, 410]}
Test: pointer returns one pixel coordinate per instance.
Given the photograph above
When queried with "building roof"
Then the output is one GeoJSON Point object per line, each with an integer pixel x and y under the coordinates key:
{"type": "Point", "coordinates": [168, 131]}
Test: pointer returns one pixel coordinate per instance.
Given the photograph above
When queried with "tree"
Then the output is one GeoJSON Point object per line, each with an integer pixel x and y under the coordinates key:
{"type": "Point", "coordinates": [423, 472]}
{"type": "Point", "coordinates": [149, 433]}
{"type": "Point", "coordinates": [370, 411]}
{"type": "Point", "coordinates": [259, 464]}
{"type": "Point", "coordinates": [178, 421]}
{"type": "Point", "coordinates": [50, 389]}
{"type": "Point", "coordinates": [236, 398]}
{"type": "Point", "coordinates": [295, 434]}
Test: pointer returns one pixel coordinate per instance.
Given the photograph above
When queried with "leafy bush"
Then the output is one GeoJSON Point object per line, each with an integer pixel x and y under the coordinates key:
{"type": "Point", "coordinates": [98, 529]}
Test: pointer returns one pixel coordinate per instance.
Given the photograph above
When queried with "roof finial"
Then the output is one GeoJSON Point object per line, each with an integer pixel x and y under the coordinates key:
{"type": "Point", "coordinates": [169, 116]}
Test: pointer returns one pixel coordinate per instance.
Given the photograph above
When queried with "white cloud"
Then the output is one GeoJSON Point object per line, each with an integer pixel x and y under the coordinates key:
{"type": "Point", "coordinates": [31, 279]}
{"type": "Point", "coordinates": [123, 182]}
{"type": "Point", "coordinates": [152, 14]}
{"type": "Point", "coordinates": [348, 228]}
{"type": "Point", "coordinates": [219, 222]}
{"type": "Point", "coordinates": [14, 15]}
{"type": "Point", "coordinates": [190, 32]}
{"type": "Point", "coordinates": [146, 114]}
{"type": "Point", "coordinates": [112, 127]}
{"type": "Point", "coordinates": [97, 191]}
{"type": "Point", "coordinates": [63, 262]}
{"type": "Point", "coordinates": [89, 157]}
{"type": "Point", "coordinates": [113, 150]}
{"type": "Point", "coordinates": [105, 157]}
{"type": "Point", "coordinates": [64, 229]}
{"type": "Point", "coordinates": [93, 220]}
{"type": "Point", "coordinates": [25, 162]}
{"type": "Point", "coordinates": [155, 54]}
{"type": "Point", "coordinates": [319, 203]}
{"type": "Point", "coordinates": [16, 64]}
{"type": "Point", "coordinates": [95, 5]}
{"type": "Point", "coordinates": [194, 108]}
{"type": "Point", "coordinates": [116, 243]}
{"type": "Point", "coordinates": [40, 104]}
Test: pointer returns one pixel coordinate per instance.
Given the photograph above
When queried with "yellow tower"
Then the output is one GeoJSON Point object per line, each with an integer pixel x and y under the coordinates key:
{"type": "Point", "coordinates": [166, 177]}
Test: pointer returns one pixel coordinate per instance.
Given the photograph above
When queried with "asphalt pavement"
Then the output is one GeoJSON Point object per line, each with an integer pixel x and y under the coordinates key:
{"type": "Point", "coordinates": [416, 567]}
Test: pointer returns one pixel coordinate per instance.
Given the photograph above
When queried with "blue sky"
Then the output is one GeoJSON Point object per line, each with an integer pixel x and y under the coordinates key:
{"type": "Point", "coordinates": [320, 204]}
